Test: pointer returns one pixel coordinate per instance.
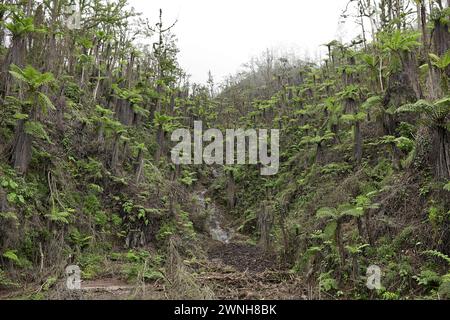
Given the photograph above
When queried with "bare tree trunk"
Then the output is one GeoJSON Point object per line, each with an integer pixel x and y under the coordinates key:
{"type": "Point", "coordinates": [231, 191]}
{"type": "Point", "coordinates": [358, 143]}
{"type": "Point", "coordinates": [115, 153]}
{"type": "Point", "coordinates": [2, 30]}
{"type": "Point", "coordinates": [389, 7]}
{"type": "Point", "coordinates": [426, 39]}
{"type": "Point", "coordinates": [3, 201]}
{"type": "Point", "coordinates": [369, 228]}
{"type": "Point", "coordinates": [21, 155]}
{"type": "Point", "coordinates": [265, 221]}
{"type": "Point", "coordinates": [161, 150]}
{"type": "Point", "coordinates": [410, 68]}
{"type": "Point", "coordinates": [441, 44]}
{"type": "Point", "coordinates": [442, 157]}
{"type": "Point", "coordinates": [363, 29]}
{"type": "Point", "coordinates": [16, 55]}
{"type": "Point", "coordinates": [339, 242]}
{"type": "Point", "coordinates": [97, 86]}
{"type": "Point", "coordinates": [140, 166]}
{"type": "Point", "coordinates": [423, 24]}
{"type": "Point", "coordinates": [61, 106]}
{"type": "Point", "coordinates": [396, 157]}
{"type": "Point", "coordinates": [124, 112]}
{"type": "Point", "coordinates": [284, 234]}
{"type": "Point", "coordinates": [355, 268]}
{"type": "Point", "coordinates": [360, 227]}
{"type": "Point", "coordinates": [319, 153]}
{"type": "Point", "coordinates": [335, 130]}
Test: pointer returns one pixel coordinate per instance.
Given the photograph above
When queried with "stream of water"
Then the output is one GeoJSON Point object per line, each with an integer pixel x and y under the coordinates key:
{"type": "Point", "coordinates": [215, 220]}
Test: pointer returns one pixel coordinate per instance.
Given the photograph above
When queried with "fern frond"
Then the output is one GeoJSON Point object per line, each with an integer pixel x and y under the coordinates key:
{"type": "Point", "coordinates": [371, 102]}
{"type": "Point", "coordinates": [46, 102]}
{"type": "Point", "coordinates": [418, 107]}
{"type": "Point", "coordinates": [437, 254]}
{"type": "Point", "coordinates": [326, 212]}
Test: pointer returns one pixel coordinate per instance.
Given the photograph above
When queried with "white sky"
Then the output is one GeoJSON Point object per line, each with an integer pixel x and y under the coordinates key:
{"type": "Point", "coordinates": [221, 35]}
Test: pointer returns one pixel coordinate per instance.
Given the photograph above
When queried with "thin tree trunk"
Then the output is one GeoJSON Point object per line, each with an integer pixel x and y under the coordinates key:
{"type": "Point", "coordinates": [339, 242]}
{"type": "Point", "coordinates": [319, 153]}
{"type": "Point", "coordinates": [161, 144]}
{"type": "Point", "coordinates": [355, 268]}
{"type": "Point", "coordinates": [264, 226]}
{"type": "Point", "coordinates": [442, 145]}
{"type": "Point", "coordinates": [21, 155]}
{"type": "Point", "coordinates": [284, 234]}
{"type": "Point", "coordinates": [115, 153]}
{"type": "Point", "coordinates": [3, 201]}
{"type": "Point", "coordinates": [140, 166]}
{"type": "Point", "coordinates": [360, 227]}
{"type": "Point", "coordinates": [369, 228]}
{"type": "Point", "coordinates": [358, 142]}
{"type": "Point", "coordinates": [231, 191]}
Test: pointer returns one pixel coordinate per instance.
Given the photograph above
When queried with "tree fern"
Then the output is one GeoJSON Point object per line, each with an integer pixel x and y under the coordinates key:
{"type": "Point", "coordinates": [437, 254]}
{"type": "Point", "coordinates": [372, 102]}
{"type": "Point", "coordinates": [436, 113]}
{"type": "Point", "coordinates": [399, 40]}
{"type": "Point", "coordinates": [440, 62]}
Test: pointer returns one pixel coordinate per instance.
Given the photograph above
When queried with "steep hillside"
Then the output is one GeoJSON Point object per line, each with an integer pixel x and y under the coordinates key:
{"type": "Point", "coordinates": [364, 160]}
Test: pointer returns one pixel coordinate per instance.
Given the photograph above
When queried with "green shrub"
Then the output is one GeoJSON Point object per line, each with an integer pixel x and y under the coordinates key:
{"type": "Point", "coordinates": [327, 282]}
{"type": "Point", "coordinates": [428, 278]}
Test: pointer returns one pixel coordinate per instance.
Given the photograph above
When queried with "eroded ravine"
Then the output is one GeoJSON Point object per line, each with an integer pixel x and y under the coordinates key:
{"type": "Point", "coordinates": [216, 219]}
{"type": "Point", "coordinates": [238, 269]}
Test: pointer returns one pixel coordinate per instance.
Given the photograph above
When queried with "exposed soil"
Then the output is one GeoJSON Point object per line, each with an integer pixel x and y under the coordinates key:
{"type": "Point", "coordinates": [237, 270]}
{"type": "Point", "coordinates": [243, 257]}
{"type": "Point", "coordinates": [244, 271]}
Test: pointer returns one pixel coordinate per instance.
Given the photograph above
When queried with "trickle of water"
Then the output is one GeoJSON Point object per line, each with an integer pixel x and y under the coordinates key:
{"type": "Point", "coordinates": [218, 233]}
{"type": "Point", "coordinates": [214, 220]}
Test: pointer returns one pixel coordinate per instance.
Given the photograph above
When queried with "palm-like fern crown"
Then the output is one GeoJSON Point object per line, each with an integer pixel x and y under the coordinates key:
{"type": "Point", "coordinates": [435, 114]}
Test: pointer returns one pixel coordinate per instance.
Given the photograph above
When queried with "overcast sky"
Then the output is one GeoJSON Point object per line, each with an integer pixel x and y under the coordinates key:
{"type": "Point", "coordinates": [221, 35]}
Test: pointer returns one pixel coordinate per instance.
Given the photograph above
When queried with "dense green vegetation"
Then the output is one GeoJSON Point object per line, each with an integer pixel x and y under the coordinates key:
{"type": "Point", "coordinates": [86, 176]}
